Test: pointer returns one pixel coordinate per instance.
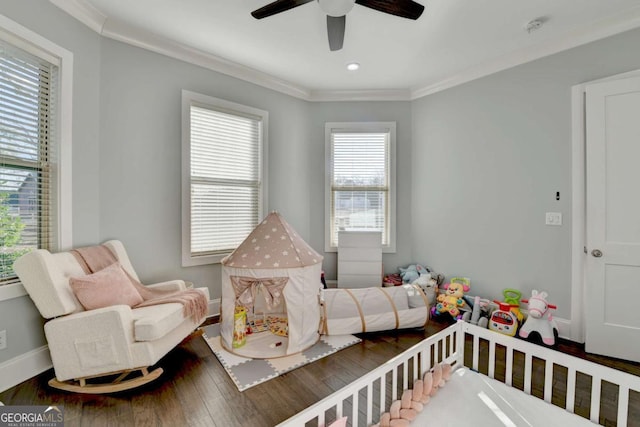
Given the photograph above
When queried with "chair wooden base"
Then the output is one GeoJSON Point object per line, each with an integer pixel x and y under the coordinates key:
{"type": "Point", "coordinates": [119, 383]}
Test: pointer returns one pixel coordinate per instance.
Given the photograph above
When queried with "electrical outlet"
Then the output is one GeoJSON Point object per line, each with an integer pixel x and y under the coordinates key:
{"type": "Point", "coordinates": [3, 339]}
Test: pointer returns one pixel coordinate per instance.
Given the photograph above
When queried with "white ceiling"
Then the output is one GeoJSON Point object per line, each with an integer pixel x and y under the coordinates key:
{"type": "Point", "coordinates": [452, 42]}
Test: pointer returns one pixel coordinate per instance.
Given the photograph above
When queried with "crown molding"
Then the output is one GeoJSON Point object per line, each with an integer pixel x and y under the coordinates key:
{"type": "Point", "coordinates": [148, 41]}
{"type": "Point", "coordinates": [605, 28]}
{"type": "Point", "coordinates": [83, 12]}
{"type": "Point", "coordinates": [360, 95]}
{"type": "Point", "coordinates": [91, 17]}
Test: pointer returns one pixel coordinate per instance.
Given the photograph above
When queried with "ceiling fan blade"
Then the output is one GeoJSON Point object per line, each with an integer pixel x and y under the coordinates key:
{"type": "Point", "coordinates": [335, 31]}
{"type": "Point", "coordinates": [404, 8]}
{"type": "Point", "coordinates": [277, 7]}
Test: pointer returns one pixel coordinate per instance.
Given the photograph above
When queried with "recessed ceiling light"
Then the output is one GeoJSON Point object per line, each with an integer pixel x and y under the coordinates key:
{"type": "Point", "coordinates": [353, 66]}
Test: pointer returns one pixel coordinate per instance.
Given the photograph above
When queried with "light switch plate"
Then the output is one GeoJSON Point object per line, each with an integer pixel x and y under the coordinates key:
{"type": "Point", "coordinates": [553, 218]}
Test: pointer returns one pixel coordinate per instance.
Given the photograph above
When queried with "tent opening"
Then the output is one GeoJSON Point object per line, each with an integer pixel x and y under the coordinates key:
{"type": "Point", "coordinates": [261, 327]}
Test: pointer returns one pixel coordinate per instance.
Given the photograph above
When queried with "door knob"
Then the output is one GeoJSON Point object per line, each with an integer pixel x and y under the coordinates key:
{"type": "Point", "coordinates": [596, 253]}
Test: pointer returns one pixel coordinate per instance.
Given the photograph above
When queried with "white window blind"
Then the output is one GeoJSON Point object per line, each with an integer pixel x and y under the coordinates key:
{"type": "Point", "coordinates": [27, 155]}
{"type": "Point", "coordinates": [225, 177]}
{"type": "Point", "coordinates": [360, 183]}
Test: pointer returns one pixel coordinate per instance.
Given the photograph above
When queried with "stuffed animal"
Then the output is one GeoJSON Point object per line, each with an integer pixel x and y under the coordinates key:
{"type": "Point", "coordinates": [451, 301]}
{"type": "Point", "coordinates": [540, 320]}
{"type": "Point", "coordinates": [412, 272]}
{"type": "Point", "coordinates": [429, 286]}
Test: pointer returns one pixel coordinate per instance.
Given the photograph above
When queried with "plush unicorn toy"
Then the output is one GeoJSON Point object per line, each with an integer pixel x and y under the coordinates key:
{"type": "Point", "coordinates": [537, 321]}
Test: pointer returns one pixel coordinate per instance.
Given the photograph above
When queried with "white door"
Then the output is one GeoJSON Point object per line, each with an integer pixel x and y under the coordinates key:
{"type": "Point", "coordinates": [613, 218]}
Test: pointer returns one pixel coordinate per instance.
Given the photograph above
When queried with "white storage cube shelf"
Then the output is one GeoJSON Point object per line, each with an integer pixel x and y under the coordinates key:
{"type": "Point", "coordinates": [359, 259]}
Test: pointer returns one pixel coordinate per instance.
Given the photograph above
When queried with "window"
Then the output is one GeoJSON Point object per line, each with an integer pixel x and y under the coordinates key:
{"type": "Point", "coordinates": [223, 176]}
{"type": "Point", "coordinates": [34, 144]}
{"type": "Point", "coordinates": [360, 181]}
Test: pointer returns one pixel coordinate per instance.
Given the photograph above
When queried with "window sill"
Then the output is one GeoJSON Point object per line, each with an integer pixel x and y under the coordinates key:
{"type": "Point", "coordinates": [8, 292]}
{"type": "Point", "coordinates": [189, 261]}
{"type": "Point", "coordinates": [385, 249]}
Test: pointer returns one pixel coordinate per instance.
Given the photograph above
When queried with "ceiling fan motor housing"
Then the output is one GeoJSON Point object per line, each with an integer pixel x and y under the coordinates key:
{"type": "Point", "coordinates": [336, 7]}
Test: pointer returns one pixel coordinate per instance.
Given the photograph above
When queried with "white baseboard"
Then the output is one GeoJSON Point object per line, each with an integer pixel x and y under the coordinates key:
{"type": "Point", "coordinates": [214, 307]}
{"type": "Point", "coordinates": [564, 328]}
{"type": "Point", "coordinates": [23, 367]}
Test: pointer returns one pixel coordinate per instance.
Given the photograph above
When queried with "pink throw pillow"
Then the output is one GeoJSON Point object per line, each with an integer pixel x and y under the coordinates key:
{"type": "Point", "coordinates": [107, 287]}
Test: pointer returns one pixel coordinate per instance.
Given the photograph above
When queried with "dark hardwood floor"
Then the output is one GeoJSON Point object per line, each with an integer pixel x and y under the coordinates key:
{"type": "Point", "coordinates": [196, 391]}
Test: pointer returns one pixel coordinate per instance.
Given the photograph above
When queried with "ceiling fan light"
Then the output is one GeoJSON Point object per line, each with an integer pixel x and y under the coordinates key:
{"type": "Point", "coordinates": [336, 7]}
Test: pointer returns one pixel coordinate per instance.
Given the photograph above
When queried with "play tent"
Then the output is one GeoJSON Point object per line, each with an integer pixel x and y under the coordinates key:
{"type": "Point", "coordinates": [272, 278]}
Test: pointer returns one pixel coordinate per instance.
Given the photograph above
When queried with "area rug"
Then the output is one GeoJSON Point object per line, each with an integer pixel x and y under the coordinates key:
{"type": "Point", "coordinates": [247, 373]}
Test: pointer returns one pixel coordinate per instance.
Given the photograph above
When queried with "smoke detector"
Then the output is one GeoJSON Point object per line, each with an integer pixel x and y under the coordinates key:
{"type": "Point", "coordinates": [535, 24]}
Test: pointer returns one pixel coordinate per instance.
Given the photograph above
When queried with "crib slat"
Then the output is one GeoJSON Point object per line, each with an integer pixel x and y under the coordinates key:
{"type": "Point", "coordinates": [460, 337]}
{"type": "Point", "coordinates": [405, 375]}
{"type": "Point", "coordinates": [416, 372]}
{"type": "Point", "coordinates": [370, 403]}
{"type": "Point", "coordinates": [476, 351]}
{"type": "Point", "coordinates": [492, 359]}
{"type": "Point", "coordinates": [452, 344]}
{"type": "Point", "coordinates": [354, 409]}
{"type": "Point", "coordinates": [548, 380]}
{"type": "Point", "coordinates": [596, 386]}
{"type": "Point", "coordinates": [383, 392]}
{"type": "Point", "coordinates": [527, 373]}
{"type": "Point", "coordinates": [508, 376]}
{"type": "Point", "coordinates": [623, 405]}
{"type": "Point", "coordinates": [427, 359]}
{"type": "Point", "coordinates": [571, 389]}
{"type": "Point", "coordinates": [394, 384]}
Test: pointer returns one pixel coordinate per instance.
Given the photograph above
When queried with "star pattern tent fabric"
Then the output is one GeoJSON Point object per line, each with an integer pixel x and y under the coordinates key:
{"type": "Point", "coordinates": [273, 244]}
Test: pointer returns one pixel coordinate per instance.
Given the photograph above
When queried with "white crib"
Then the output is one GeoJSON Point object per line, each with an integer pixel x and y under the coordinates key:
{"type": "Point", "coordinates": [530, 382]}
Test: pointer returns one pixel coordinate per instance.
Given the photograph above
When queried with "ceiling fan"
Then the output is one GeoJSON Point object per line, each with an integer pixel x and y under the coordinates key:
{"type": "Point", "coordinates": [336, 11]}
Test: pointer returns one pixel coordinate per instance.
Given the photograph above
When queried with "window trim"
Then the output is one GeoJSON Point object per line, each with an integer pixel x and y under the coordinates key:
{"type": "Point", "coordinates": [189, 98]}
{"type": "Point", "coordinates": [34, 43]}
{"type": "Point", "coordinates": [364, 127]}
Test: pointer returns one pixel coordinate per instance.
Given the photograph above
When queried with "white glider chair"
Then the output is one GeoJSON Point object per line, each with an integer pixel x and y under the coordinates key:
{"type": "Point", "coordinates": [112, 346]}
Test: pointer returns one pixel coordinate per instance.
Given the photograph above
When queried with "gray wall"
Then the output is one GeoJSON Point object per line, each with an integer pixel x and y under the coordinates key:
{"type": "Point", "coordinates": [488, 158]}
